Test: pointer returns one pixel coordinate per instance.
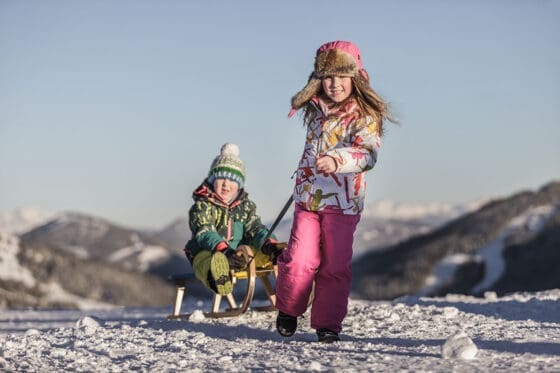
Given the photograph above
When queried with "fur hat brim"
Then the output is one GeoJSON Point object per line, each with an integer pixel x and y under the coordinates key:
{"type": "Point", "coordinates": [332, 62]}
{"type": "Point", "coordinates": [311, 89]}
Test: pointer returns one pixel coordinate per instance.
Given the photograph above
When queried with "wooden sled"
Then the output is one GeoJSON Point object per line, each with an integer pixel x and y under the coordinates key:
{"type": "Point", "coordinates": [249, 275]}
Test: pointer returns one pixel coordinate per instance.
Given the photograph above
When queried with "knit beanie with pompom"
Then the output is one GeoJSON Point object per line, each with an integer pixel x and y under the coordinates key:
{"type": "Point", "coordinates": [228, 165]}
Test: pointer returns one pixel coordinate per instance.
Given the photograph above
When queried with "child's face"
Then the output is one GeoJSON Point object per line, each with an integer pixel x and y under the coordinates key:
{"type": "Point", "coordinates": [226, 189]}
{"type": "Point", "coordinates": [337, 88]}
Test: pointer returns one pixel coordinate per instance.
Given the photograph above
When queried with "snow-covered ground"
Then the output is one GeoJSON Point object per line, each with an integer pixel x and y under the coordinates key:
{"type": "Point", "coordinates": [520, 332]}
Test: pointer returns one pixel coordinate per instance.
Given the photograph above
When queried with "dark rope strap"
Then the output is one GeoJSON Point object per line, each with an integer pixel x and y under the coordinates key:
{"type": "Point", "coordinates": [275, 224]}
{"type": "Point", "coordinates": [279, 217]}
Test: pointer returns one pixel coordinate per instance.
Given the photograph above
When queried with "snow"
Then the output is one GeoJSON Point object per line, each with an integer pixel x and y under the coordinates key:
{"type": "Point", "coordinates": [55, 293]}
{"type": "Point", "coordinates": [89, 227]}
{"type": "Point", "coordinates": [443, 273]}
{"type": "Point", "coordinates": [519, 229]}
{"type": "Point", "coordinates": [146, 255]}
{"type": "Point", "coordinates": [389, 209]}
{"type": "Point", "coordinates": [459, 346]}
{"type": "Point", "coordinates": [10, 268]}
{"type": "Point", "coordinates": [78, 251]}
{"type": "Point", "coordinates": [23, 219]}
{"type": "Point", "coordinates": [519, 332]}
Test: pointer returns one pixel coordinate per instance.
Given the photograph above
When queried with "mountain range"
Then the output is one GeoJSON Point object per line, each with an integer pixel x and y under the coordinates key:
{"type": "Point", "coordinates": [382, 224]}
{"type": "Point", "coordinates": [78, 260]}
{"type": "Point", "coordinates": [508, 244]}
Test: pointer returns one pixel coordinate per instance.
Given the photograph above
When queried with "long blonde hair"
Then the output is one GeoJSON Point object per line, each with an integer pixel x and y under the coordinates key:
{"type": "Point", "coordinates": [369, 102]}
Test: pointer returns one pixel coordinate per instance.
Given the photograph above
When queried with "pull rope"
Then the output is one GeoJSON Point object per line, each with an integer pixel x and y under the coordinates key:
{"type": "Point", "coordinates": [275, 224]}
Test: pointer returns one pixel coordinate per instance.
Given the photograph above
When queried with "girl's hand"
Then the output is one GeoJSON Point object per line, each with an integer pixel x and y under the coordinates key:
{"type": "Point", "coordinates": [325, 164]}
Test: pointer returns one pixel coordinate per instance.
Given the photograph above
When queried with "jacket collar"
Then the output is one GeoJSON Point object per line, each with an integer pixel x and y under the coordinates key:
{"type": "Point", "coordinates": [205, 193]}
{"type": "Point", "coordinates": [345, 112]}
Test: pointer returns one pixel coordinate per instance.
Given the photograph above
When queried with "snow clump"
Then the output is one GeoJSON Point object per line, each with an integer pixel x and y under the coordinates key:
{"type": "Point", "coordinates": [459, 346]}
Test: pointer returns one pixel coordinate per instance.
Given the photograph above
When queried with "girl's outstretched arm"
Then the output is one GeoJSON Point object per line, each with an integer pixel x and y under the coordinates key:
{"type": "Point", "coordinates": [360, 154]}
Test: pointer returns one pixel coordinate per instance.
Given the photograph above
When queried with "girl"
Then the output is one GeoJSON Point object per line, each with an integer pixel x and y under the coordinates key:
{"type": "Point", "coordinates": [344, 118]}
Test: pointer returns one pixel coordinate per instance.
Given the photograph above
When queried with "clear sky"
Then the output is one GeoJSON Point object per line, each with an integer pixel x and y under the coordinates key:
{"type": "Point", "coordinates": [116, 108]}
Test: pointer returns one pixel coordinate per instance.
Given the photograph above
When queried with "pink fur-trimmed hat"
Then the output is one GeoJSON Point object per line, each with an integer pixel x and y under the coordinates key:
{"type": "Point", "coordinates": [335, 58]}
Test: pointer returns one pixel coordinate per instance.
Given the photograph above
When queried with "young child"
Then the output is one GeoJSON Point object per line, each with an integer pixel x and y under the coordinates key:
{"type": "Point", "coordinates": [344, 119]}
{"type": "Point", "coordinates": [222, 218]}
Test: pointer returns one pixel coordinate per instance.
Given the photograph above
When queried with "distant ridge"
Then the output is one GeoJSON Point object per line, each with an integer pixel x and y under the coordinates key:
{"type": "Point", "coordinates": [44, 277]}
{"type": "Point", "coordinates": [73, 259]}
{"type": "Point", "coordinates": [407, 267]}
{"type": "Point", "coordinates": [87, 236]}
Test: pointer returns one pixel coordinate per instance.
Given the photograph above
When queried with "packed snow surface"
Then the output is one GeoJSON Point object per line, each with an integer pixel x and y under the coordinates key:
{"type": "Point", "coordinates": [520, 332]}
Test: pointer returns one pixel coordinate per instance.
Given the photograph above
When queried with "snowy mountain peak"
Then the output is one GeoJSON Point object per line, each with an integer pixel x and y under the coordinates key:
{"type": "Point", "coordinates": [10, 268]}
{"type": "Point", "coordinates": [23, 219]}
{"type": "Point", "coordinates": [80, 226]}
{"type": "Point", "coordinates": [392, 210]}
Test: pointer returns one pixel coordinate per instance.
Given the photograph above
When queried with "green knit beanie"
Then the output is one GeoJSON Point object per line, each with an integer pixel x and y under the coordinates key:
{"type": "Point", "coordinates": [228, 165]}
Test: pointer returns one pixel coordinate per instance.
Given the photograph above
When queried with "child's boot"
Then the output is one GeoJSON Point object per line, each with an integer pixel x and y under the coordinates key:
{"type": "Point", "coordinates": [327, 336]}
{"type": "Point", "coordinates": [219, 269]}
{"type": "Point", "coordinates": [286, 324]}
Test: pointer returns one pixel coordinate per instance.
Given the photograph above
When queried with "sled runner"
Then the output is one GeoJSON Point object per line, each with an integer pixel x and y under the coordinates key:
{"type": "Point", "coordinates": [250, 275]}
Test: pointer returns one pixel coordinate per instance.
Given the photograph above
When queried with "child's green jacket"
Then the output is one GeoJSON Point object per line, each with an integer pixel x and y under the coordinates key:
{"type": "Point", "coordinates": [212, 221]}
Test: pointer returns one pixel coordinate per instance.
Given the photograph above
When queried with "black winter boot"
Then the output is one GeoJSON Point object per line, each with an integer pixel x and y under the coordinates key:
{"type": "Point", "coordinates": [286, 324]}
{"type": "Point", "coordinates": [327, 336]}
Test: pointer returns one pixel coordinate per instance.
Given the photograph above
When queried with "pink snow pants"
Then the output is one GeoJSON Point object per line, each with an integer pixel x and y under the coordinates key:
{"type": "Point", "coordinates": [320, 250]}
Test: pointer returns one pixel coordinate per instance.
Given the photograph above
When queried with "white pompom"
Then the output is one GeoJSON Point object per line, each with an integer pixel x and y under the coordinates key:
{"type": "Point", "coordinates": [229, 150]}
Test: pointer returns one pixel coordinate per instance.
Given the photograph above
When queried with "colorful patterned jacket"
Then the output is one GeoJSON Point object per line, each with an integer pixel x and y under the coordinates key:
{"type": "Point", "coordinates": [213, 223]}
{"type": "Point", "coordinates": [353, 142]}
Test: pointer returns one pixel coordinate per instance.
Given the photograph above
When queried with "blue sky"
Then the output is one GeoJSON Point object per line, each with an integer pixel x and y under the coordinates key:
{"type": "Point", "coordinates": [116, 108]}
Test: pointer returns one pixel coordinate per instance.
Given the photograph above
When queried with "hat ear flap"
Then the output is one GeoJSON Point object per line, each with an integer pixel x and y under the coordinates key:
{"type": "Point", "coordinates": [311, 89]}
{"type": "Point", "coordinates": [364, 74]}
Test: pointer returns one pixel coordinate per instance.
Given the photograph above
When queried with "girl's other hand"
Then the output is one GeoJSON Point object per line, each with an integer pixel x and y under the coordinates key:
{"type": "Point", "coordinates": [325, 164]}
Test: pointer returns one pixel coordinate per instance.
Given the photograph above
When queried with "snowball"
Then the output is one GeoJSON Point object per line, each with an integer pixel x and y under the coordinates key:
{"type": "Point", "coordinates": [32, 332]}
{"type": "Point", "coordinates": [197, 315]}
{"type": "Point", "coordinates": [87, 322]}
{"type": "Point", "coordinates": [490, 295]}
{"type": "Point", "coordinates": [450, 312]}
{"type": "Point", "coordinates": [382, 312]}
{"type": "Point", "coordinates": [459, 346]}
{"type": "Point", "coordinates": [315, 366]}
{"type": "Point", "coordinates": [394, 317]}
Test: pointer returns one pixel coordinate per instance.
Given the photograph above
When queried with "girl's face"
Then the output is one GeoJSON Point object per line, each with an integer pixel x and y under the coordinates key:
{"type": "Point", "coordinates": [337, 88]}
{"type": "Point", "coordinates": [226, 189]}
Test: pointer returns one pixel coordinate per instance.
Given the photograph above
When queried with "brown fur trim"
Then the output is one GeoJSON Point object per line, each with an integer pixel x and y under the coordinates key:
{"type": "Point", "coordinates": [334, 62]}
{"type": "Point", "coordinates": [311, 89]}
